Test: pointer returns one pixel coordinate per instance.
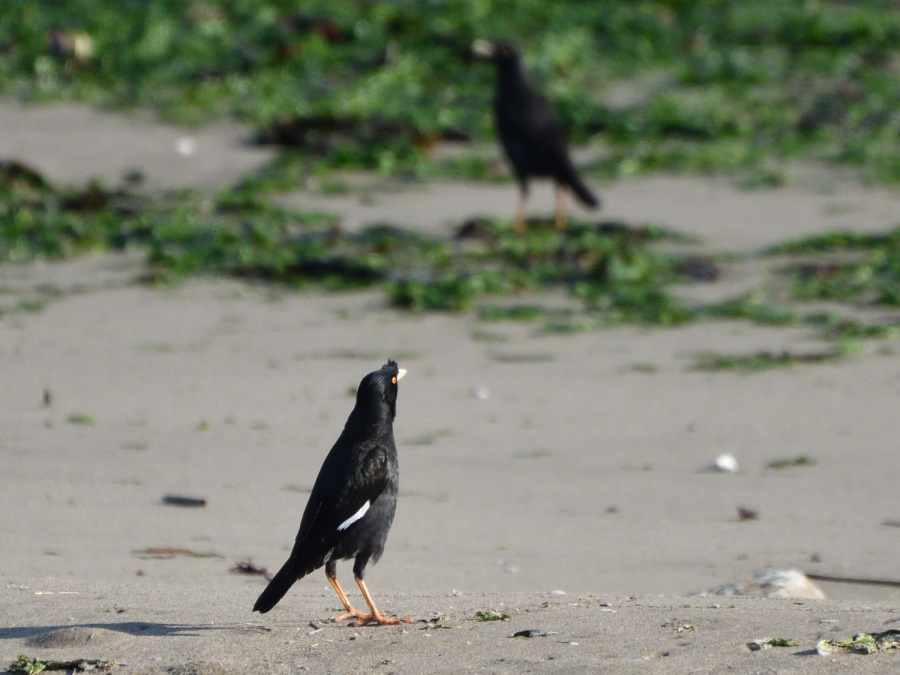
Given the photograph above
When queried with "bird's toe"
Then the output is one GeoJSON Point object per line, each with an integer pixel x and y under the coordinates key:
{"type": "Point", "coordinates": [380, 619]}
{"type": "Point", "coordinates": [351, 613]}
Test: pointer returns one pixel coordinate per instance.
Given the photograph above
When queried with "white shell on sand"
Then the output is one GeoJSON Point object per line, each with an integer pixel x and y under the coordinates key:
{"type": "Point", "coordinates": [185, 146]}
{"type": "Point", "coordinates": [481, 393]}
{"type": "Point", "coordinates": [726, 463]}
{"type": "Point", "coordinates": [774, 584]}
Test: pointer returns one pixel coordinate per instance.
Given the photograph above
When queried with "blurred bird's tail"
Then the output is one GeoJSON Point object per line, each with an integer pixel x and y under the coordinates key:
{"type": "Point", "coordinates": [280, 584]}
{"type": "Point", "coordinates": [585, 196]}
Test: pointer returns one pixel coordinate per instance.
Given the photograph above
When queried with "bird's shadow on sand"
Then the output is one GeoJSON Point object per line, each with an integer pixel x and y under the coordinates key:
{"type": "Point", "coordinates": [134, 628]}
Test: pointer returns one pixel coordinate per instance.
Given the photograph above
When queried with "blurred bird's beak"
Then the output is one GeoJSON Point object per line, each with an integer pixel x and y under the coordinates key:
{"type": "Point", "coordinates": [484, 48]}
{"type": "Point", "coordinates": [400, 373]}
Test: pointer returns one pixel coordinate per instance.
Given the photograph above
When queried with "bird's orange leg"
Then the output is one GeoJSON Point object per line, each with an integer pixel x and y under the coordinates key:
{"type": "Point", "coordinates": [351, 611]}
{"type": "Point", "coordinates": [375, 616]}
{"type": "Point", "coordinates": [519, 219]}
{"type": "Point", "coordinates": [561, 220]}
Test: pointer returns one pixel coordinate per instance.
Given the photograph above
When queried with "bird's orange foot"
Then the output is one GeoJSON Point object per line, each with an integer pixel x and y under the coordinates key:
{"type": "Point", "coordinates": [351, 613]}
{"type": "Point", "coordinates": [364, 618]}
{"type": "Point", "coordinates": [380, 619]}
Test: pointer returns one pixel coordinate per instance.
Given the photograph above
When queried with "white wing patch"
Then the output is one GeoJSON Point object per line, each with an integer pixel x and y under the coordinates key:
{"type": "Point", "coordinates": [356, 516]}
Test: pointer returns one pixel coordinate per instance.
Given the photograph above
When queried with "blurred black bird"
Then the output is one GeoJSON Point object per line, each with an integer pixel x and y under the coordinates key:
{"type": "Point", "coordinates": [352, 503]}
{"type": "Point", "coordinates": [534, 141]}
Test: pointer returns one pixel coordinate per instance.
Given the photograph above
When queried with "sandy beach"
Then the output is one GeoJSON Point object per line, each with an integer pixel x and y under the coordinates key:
{"type": "Point", "coordinates": [563, 479]}
{"type": "Point", "coordinates": [170, 628]}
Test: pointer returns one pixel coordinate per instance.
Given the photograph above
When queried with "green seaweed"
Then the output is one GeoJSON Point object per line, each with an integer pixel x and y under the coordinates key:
{"type": "Point", "coordinates": [802, 460]}
{"type": "Point", "coordinates": [862, 643]}
{"type": "Point", "coordinates": [752, 308]}
{"type": "Point", "coordinates": [28, 665]}
{"type": "Point", "coordinates": [721, 86]}
{"type": "Point", "coordinates": [429, 437]}
{"type": "Point", "coordinates": [768, 643]}
{"type": "Point", "coordinates": [80, 418]}
{"type": "Point", "coordinates": [760, 361]}
{"type": "Point", "coordinates": [33, 665]}
{"type": "Point", "coordinates": [491, 615]}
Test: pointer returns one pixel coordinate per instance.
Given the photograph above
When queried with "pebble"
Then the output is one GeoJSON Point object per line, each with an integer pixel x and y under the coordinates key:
{"type": "Point", "coordinates": [185, 146]}
{"type": "Point", "coordinates": [726, 463]}
{"type": "Point", "coordinates": [481, 393]}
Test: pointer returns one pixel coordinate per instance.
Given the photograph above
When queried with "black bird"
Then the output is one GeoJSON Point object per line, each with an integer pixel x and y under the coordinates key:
{"type": "Point", "coordinates": [534, 141]}
{"type": "Point", "coordinates": [352, 503]}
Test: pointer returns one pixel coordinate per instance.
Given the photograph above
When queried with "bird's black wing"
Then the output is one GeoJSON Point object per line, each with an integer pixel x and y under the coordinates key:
{"type": "Point", "coordinates": [535, 140]}
{"type": "Point", "coordinates": [538, 144]}
{"type": "Point", "coordinates": [342, 494]}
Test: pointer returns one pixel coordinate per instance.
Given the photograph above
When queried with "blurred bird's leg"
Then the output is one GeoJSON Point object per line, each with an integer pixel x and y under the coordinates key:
{"type": "Point", "coordinates": [519, 219]}
{"type": "Point", "coordinates": [561, 220]}
{"type": "Point", "coordinates": [375, 616]}
{"type": "Point", "coordinates": [331, 573]}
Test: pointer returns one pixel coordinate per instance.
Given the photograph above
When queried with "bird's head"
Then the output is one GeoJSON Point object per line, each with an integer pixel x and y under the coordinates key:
{"type": "Point", "coordinates": [377, 393]}
{"type": "Point", "coordinates": [498, 52]}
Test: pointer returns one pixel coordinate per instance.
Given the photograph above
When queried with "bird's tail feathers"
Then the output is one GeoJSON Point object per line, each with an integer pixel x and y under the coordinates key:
{"type": "Point", "coordinates": [280, 584]}
{"type": "Point", "coordinates": [585, 196]}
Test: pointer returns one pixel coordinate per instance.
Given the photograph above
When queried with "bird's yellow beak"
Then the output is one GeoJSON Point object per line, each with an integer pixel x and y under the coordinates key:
{"type": "Point", "coordinates": [484, 48]}
{"type": "Point", "coordinates": [400, 373]}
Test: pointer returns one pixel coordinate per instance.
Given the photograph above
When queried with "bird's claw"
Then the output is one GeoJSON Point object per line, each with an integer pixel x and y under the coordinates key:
{"type": "Point", "coordinates": [381, 620]}
{"type": "Point", "coordinates": [349, 614]}
{"type": "Point", "coordinates": [366, 618]}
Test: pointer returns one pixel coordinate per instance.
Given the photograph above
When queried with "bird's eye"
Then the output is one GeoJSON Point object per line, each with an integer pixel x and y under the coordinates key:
{"type": "Point", "coordinates": [394, 380]}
